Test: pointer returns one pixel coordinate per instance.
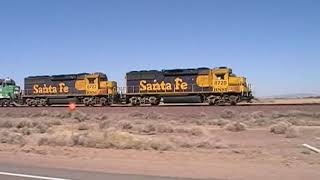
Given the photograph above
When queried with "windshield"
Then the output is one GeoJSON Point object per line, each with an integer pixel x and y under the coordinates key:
{"type": "Point", "coordinates": [9, 82]}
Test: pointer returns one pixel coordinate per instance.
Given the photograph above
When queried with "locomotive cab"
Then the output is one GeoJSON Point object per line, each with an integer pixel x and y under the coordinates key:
{"type": "Point", "coordinates": [92, 84]}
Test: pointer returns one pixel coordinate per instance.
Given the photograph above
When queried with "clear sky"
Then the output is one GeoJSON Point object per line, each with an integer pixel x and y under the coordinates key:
{"type": "Point", "coordinates": [274, 43]}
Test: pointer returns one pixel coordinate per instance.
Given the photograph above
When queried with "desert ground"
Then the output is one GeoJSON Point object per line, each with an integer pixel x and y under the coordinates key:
{"type": "Point", "coordinates": [202, 142]}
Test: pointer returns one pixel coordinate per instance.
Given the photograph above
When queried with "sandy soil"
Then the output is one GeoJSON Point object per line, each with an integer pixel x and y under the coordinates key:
{"type": "Point", "coordinates": [236, 143]}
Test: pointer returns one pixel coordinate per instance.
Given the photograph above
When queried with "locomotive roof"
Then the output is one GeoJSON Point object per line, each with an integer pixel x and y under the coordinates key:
{"type": "Point", "coordinates": [168, 71]}
{"type": "Point", "coordinates": [64, 76]}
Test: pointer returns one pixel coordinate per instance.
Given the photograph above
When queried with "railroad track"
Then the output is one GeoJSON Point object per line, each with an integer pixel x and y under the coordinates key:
{"type": "Point", "coordinates": [173, 105]}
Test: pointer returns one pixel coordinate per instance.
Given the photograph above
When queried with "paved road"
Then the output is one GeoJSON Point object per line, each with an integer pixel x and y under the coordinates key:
{"type": "Point", "coordinates": [16, 172]}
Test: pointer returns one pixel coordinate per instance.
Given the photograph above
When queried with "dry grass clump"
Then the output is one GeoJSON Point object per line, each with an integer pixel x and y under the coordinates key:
{"type": "Point", "coordinates": [197, 116]}
{"type": "Point", "coordinates": [123, 140]}
{"type": "Point", "coordinates": [148, 129]}
{"type": "Point", "coordinates": [164, 128]}
{"type": "Point", "coordinates": [258, 115]}
{"type": "Point", "coordinates": [42, 128]}
{"type": "Point", "coordinates": [109, 139]}
{"type": "Point", "coordinates": [56, 140]}
{"type": "Point", "coordinates": [100, 117]}
{"type": "Point", "coordinates": [203, 143]}
{"type": "Point", "coordinates": [123, 124]}
{"type": "Point", "coordinates": [136, 114]}
{"type": "Point", "coordinates": [292, 132]}
{"type": "Point", "coordinates": [80, 116]}
{"type": "Point", "coordinates": [245, 116]}
{"type": "Point", "coordinates": [236, 127]}
{"type": "Point", "coordinates": [297, 122]}
{"type": "Point", "coordinates": [261, 122]}
{"type": "Point", "coordinates": [7, 123]}
{"type": "Point", "coordinates": [29, 126]}
{"type": "Point", "coordinates": [196, 131]}
{"type": "Point", "coordinates": [296, 113]}
{"type": "Point", "coordinates": [161, 145]}
{"type": "Point", "coordinates": [218, 122]}
{"type": "Point", "coordinates": [228, 114]}
{"type": "Point", "coordinates": [53, 114]}
{"type": "Point", "coordinates": [105, 124]}
{"type": "Point", "coordinates": [313, 123]}
{"type": "Point", "coordinates": [12, 138]}
{"type": "Point", "coordinates": [276, 115]}
{"type": "Point", "coordinates": [83, 126]}
{"type": "Point", "coordinates": [280, 128]}
{"type": "Point", "coordinates": [153, 116]}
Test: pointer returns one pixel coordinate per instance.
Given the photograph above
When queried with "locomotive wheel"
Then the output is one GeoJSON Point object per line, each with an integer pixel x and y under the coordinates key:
{"type": "Point", "coordinates": [212, 100]}
{"type": "Point", "coordinates": [135, 101]}
{"type": "Point", "coordinates": [42, 102]}
{"type": "Point", "coordinates": [233, 100]}
{"type": "Point", "coordinates": [86, 101]}
{"type": "Point", "coordinates": [154, 101]}
{"type": "Point", "coordinates": [6, 103]}
{"type": "Point", "coordinates": [103, 101]}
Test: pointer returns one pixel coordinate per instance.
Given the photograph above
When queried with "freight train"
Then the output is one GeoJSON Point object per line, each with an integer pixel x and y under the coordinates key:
{"type": "Point", "coordinates": [217, 86]}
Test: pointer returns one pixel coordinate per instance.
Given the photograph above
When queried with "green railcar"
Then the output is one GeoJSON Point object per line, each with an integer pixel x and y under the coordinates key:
{"type": "Point", "coordinates": [10, 93]}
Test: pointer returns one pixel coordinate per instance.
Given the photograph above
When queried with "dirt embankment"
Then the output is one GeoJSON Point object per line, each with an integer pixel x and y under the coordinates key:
{"type": "Point", "coordinates": [145, 131]}
{"type": "Point", "coordinates": [249, 142]}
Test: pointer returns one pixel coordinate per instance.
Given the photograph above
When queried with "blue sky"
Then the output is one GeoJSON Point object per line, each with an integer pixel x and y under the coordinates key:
{"type": "Point", "coordinates": [274, 43]}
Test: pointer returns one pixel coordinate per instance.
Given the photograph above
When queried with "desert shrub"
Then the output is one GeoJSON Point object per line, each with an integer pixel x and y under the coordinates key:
{"type": "Point", "coordinates": [105, 124]}
{"type": "Point", "coordinates": [161, 145]}
{"type": "Point", "coordinates": [313, 123]}
{"type": "Point", "coordinates": [42, 128]}
{"type": "Point", "coordinates": [80, 116]}
{"type": "Point", "coordinates": [148, 128]}
{"type": "Point", "coordinates": [261, 122]}
{"type": "Point", "coordinates": [276, 114]}
{"type": "Point", "coordinates": [7, 123]}
{"type": "Point", "coordinates": [56, 140]}
{"type": "Point", "coordinates": [83, 126]}
{"type": "Point", "coordinates": [236, 127]}
{"type": "Point", "coordinates": [209, 143]}
{"type": "Point", "coordinates": [123, 140]}
{"type": "Point", "coordinates": [292, 132]}
{"type": "Point", "coordinates": [136, 114]}
{"type": "Point", "coordinates": [316, 115]}
{"type": "Point", "coordinates": [124, 124]}
{"type": "Point", "coordinates": [218, 122]}
{"type": "Point", "coordinates": [164, 128]}
{"type": "Point", "coordinates": [181, 130]}
{"type": "Point", "coordinates": [182, 142]}
{"type": "Point", "coordinates": [54, 122]}
{"type": "Point", "coordinates": [228, 114]}
{"type": "Point", "coordinates": [12, 138]}
{"type": "Point", "coordinates": [297, 122]}
{"type": "Point", "coordinates": [65, 114]}
{"type": "Point", "coordinates": [101, 117]}
{"type": "Point", "coordinates": [35, 115]}
{"type": "Point", "coordinates": [245, 116]}
{"type": "Point", "coordinates": [24, 123]}
{"type": "Point", "coordinates": [296, 113]}
{"type": "Point", "coordinates": [258, 115]}
{"type": "Point", "coordinates": [196, 131]}
{"type": "Point", "coordinates": [279, 128]}
{"type": "Point", "coordinates": [26, 131]}
{"type": "Point", "coordinates": [153, 116]}
{"type": "Point", "coordinates": [45, 113]}
{"type": "Point", "coordinates": [92, 140]}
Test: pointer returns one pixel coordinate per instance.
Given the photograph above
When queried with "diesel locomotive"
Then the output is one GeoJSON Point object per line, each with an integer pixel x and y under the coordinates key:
{"type": "Point", "coordinates": [217, 86]}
